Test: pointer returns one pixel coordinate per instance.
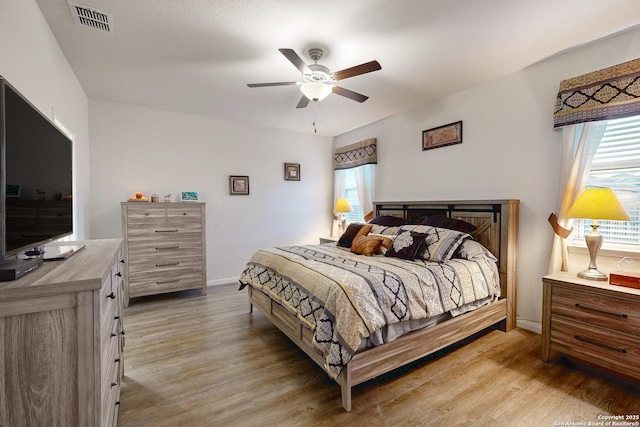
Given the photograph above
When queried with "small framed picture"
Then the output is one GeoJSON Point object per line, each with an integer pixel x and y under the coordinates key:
{"type": "Point", "coordinates": [442, 136]}
{"type": "Point", "coordinates": [189, 196]}
{"type": "Point", "coordinates": [292, 171]}
{"type": "Point", "coordinates": [238, 185]}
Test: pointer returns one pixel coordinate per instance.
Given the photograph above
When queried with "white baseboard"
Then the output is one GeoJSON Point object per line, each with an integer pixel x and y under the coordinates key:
{"type": "Point", "coordinates": [226, 281]}
{"type": "Point", "coordinates": [529, 325]}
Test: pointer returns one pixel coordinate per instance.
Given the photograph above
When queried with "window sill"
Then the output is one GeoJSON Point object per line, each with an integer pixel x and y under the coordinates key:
{"type": "Point", "coordinates": [609, 250]}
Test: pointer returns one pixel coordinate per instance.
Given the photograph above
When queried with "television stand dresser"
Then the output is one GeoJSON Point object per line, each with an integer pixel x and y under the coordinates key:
{"type": "Point", "coordinates": [164, 248]}
{"type": "Point", "coordinates": [62, 341]}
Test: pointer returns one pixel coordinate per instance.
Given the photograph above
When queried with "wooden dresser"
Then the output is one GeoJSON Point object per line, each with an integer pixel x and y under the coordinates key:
{"type": "Point", "coordinates": [62, 341]}
{"type": "Point", "coordinates": [164, 248]}
{"type": "Point", "coordinates": [593, 321]}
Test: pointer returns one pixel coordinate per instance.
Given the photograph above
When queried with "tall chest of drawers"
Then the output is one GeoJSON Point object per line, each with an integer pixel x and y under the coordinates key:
{"type": "Point", "coordinates": [165, 248]}
{"type": "Point", "coordinates": [593, 321]}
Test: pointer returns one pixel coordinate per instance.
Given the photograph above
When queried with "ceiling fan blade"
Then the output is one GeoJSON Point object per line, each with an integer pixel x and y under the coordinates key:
{"type": "Point", "coordinates": [357, 70]}
{"type": "Point", "coordinates": [272, 84]}
{"type": "Point", "coordinates": [349, 94]}
{"type": "Point", "coordinates": [304, 101]}
{"type": "Point", "coordinates": [295, 59]}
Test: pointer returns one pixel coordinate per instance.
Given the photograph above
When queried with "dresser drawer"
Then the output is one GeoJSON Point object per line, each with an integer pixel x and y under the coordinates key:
{"type": "Point", "coordinates": [144, 213]}
{"type": "Point", "coordinates": [597, 343]}
{"type": "Point", "coordinates": [162, 265]}
{"type": "Point", "coordinates": [184, 213]}
{"type": "Point", "coordinates": [162, 282]}
{"type": "Point", "coordinates": [164, 231]}
{"type": "Point", "coordinates": [166, 248]}
{"type": "Point", "coordinates": [597, 309]}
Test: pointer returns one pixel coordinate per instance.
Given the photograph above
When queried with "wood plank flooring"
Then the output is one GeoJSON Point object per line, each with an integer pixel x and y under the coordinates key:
{"type": "Point", "coordinates": [194, 360]}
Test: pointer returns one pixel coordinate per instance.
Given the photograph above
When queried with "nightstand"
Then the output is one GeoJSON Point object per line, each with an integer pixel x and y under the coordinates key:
{"type": "Point", "coordinates": [592, 321]}
{"type": "Point", "coordinates": [329, 240]}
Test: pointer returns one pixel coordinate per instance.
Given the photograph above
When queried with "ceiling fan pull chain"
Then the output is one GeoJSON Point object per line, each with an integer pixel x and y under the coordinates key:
{"type": "Point", "coordinates": [315, 112]}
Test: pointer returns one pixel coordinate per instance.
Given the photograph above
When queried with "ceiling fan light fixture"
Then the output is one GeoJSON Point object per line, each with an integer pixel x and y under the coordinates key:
{"type": "Point", "coordinates": [315, 91]}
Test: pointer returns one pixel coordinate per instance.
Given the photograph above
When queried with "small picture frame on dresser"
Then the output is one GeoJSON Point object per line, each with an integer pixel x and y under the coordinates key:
{"type": "Point", "coordinates": [189, 196]}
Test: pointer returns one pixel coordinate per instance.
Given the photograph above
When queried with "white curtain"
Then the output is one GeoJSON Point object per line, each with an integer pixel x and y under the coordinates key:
{"type": "Point", "coordinates": [580, 143]}
{"type": "Point", "coordinates": [365, 184]}
{"type": "Point", "coordinates": [339, 187]}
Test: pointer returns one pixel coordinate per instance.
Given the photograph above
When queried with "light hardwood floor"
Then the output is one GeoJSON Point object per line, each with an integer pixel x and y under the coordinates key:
{"type": "Point", "coordinates": [194, 360]}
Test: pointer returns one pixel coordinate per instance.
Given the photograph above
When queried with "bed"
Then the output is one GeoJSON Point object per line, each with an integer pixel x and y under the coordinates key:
{"type": "Point", "coordinates": [359, 316]}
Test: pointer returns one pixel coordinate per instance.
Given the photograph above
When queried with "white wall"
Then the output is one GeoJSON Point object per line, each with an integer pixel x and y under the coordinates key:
{"type": "Point", "coordinates": [31, 60]}
{"type": "Point", "coordinates": [509, 150]}
{"type": "Point", "coordinates": [155, 151]}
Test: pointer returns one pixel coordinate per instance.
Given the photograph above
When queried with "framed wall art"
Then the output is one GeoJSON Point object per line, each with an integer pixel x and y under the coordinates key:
{"type": "Point", "coordinates": [292, 171]}
{"type": "Point", "coordinates": [189, 196]}
{"type": "Point", "coordinates": [442, 136]}
{"type": "Point", "coordinates": [238, 185]}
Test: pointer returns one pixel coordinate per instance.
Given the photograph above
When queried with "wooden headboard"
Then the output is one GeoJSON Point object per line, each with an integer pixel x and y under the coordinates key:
{"type": "Point", "coordinates": [497, 223]}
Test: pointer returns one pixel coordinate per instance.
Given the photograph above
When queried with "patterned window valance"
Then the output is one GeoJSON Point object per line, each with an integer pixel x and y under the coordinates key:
{"type": "Point", "coordinates": [358, 154]}
{"type": "Point", "coordinates": [609, 93]}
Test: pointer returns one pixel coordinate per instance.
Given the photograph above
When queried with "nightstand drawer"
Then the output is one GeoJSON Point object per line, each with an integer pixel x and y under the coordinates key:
{"type": "Point", "coordinates": [596, 343]}
{"type": "Point", "coordinates": [602, 310]}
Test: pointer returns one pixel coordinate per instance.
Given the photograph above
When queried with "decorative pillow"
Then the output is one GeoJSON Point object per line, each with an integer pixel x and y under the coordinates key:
{"type": "Point", "coordinates": [346, 240]}
{"type": "Point", "coordinates": [388, 220]}
{"type": "Point", "coordinates": [472, 249]}
{"type": "Point", "coordinates": [440, 243]}
{"type": "Point", "coordinates": [446, 222]}
{"type": "Point", "coordinates": [407, 245]}
{"type": "Point", "coordinates": [383, 229]}
{"type": "Point", "coordinates": [366, 245]}
{"type": "Point", "coordinates": [386, 242]}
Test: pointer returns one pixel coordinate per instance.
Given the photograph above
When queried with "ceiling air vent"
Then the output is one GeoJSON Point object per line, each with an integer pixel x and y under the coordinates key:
{"type": "Point", "coordinates": [90, 17]}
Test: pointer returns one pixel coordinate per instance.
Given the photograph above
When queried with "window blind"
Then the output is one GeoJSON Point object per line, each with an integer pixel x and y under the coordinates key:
{"type": "Point", "coordinates": [616, 164]}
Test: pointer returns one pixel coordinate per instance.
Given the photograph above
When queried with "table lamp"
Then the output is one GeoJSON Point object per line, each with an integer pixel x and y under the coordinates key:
{"type": "Point", "coordinates": [342, 207]}
{"type": "Point", "coordinates": [596, 204]}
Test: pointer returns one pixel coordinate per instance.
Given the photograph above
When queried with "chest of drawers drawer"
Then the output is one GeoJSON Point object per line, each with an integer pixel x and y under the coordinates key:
{"type": "Point", "coordinates": [595, 309]}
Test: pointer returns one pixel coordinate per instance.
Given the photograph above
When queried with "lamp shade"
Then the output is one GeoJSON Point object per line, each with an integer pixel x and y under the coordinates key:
{"type": "Point", "coordinates": [598, 203]}
{"type": "Point", "coordinates": [316, 91]}
{"type": "Point", "coordinates": [342, 206]}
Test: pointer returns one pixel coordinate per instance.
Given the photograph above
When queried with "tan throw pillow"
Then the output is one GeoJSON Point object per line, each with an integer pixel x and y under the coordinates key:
{"type": "Point", "coordinates": [363, 231]}
{"type": "Point", "coordinates": [366, 245]}
{"type": "Point", "coordinates": [387, 241]}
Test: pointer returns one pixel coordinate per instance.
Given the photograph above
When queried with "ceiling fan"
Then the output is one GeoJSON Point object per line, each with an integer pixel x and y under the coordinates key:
{"type": "Point", "coordinates": [317, 81]}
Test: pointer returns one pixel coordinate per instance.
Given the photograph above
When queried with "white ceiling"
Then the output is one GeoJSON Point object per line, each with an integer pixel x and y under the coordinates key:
{"type": "Point", "coordinates": [196, 56]}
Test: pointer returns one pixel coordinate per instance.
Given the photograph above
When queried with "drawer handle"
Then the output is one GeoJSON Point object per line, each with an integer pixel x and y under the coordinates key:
{"type": "Point", "coordinates": [114, 334]}
{"type": "Point", "coordinates": [169, 264]}
{"type": "Point", "coordinates": [588, 341]}
{"type": "Point", "coordinates": [111, 296]}
{"type": "Point", "coordinates": [122, 261]}
{"type": "Point", "coordinates": [115, 383]}
{"type": "Point", "coordinates": [167, 281]}
{"type": "Point", "coordinates": [119, 274]}
{"type": "Point", "coordinates": [167, 248]}
{"type": "Point", "coordinates": [167, 231]}
{"type": "Point", "coordinates": [624, 316]}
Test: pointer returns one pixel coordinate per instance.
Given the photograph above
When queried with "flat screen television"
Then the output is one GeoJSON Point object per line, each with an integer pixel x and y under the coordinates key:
{"type": "Point", "coordinates": [36, 179]}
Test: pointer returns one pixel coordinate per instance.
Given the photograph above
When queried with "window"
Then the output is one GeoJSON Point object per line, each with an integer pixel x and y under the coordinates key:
{"type": "Point", "coordinates": [616, 165]}
{"type": "Point", "coordinates": [351, 193]}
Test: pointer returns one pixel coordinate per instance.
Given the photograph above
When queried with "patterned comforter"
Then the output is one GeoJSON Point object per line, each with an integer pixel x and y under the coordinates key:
{"type": "Point", "coordinates": [343, 297]}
